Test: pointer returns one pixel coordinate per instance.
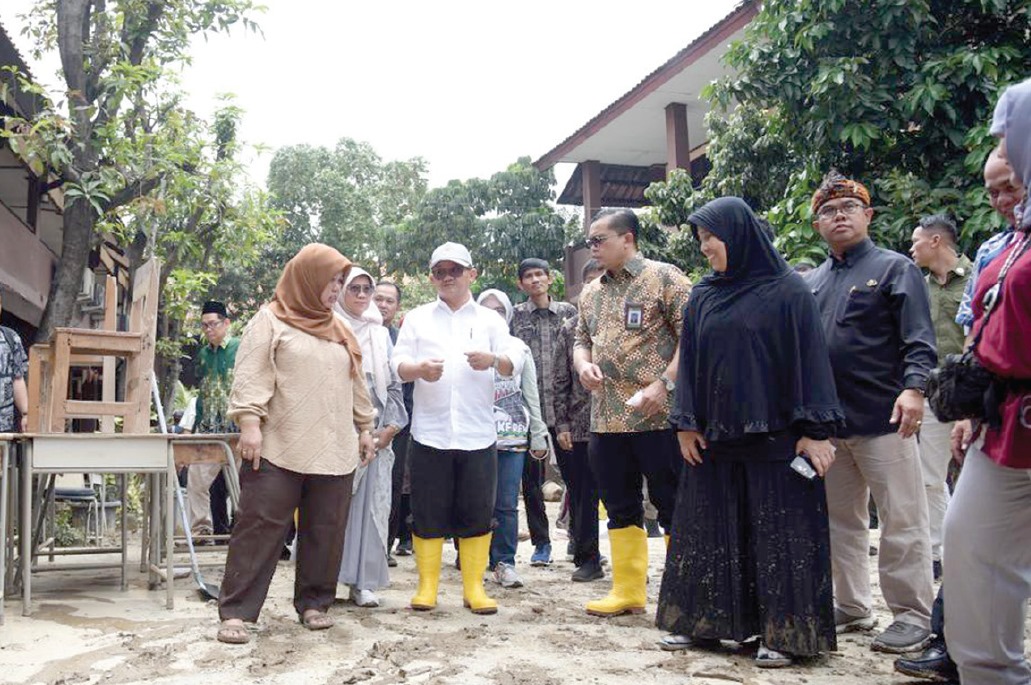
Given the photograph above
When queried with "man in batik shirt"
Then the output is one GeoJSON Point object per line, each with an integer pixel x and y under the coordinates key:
{"type": "Point", "coordinates": [626, 347]}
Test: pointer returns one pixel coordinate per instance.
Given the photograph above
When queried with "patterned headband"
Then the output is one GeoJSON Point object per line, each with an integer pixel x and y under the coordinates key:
{"type": "Point", "coordinates": [839, 186]}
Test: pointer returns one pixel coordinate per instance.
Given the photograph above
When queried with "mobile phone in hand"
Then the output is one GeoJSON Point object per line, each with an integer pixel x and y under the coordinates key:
{"type": "Point", "coordinates": [802, 467]}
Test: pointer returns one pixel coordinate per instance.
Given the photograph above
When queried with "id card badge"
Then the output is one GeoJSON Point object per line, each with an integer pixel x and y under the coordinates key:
{"type": "Point", "coordinates": [633, 316]}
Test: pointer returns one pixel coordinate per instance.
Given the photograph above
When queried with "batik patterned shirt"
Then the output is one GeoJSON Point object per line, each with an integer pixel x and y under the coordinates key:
{"type": "Point", "coordinates": [630, 322]}
{"type": "Point", "coordinates": [539, 328]}
{"type": "Point", "coordinates": [13, 365]}
{"type": "Point", "coordinates": [215, 368]}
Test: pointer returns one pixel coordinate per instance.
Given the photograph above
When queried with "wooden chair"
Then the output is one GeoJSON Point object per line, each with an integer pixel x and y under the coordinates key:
{"type": "Point", "coordinates": [50, 365]}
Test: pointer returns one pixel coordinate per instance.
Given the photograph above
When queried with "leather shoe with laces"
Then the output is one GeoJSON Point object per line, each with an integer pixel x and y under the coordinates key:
{"type": "Point", "coordinates": [901, 637]}
{"type": "Point", "coordinates": [934, 664]}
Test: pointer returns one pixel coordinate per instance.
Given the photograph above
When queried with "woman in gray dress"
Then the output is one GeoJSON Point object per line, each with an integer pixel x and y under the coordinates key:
{"type": "Point", "coordinates": [364, 564]}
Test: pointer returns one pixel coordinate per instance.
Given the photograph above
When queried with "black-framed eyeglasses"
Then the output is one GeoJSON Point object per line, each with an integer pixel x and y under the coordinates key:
{"type": "Point", "coordinates": [442, 272]}
{"type": "Point", "coordinates": [846, 208]}
{"type": "Point", "coordinates": [596, 240]}
{"type": "Point", "coordinates": [358, 289]}
{"type": "Point", "coordinates": [211, 325]}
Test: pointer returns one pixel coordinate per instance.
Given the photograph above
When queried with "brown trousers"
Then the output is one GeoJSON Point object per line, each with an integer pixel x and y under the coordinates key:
{"type": "Point", "coordinates": [268, 498]}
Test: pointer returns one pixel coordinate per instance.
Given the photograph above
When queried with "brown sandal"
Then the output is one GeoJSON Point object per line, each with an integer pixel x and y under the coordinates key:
{"type": "Point", "coordinates": [233, 634]}
{"type": "Point", "coordinates": [317, 620]}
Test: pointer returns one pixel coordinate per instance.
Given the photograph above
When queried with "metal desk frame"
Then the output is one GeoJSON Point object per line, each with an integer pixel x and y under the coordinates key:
{"type": "Point", "coordinates": [99, 453]}
{"type": "Point", "coordinates": [150, 454]}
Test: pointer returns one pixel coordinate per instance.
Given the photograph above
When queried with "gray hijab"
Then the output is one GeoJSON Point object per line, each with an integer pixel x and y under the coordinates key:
{"type": "Point", "coordinates": [1012, 120]}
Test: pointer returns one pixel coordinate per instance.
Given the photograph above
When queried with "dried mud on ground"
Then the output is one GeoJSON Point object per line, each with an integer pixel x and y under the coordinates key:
{"type": "Point", "coordinates": [85, 631]}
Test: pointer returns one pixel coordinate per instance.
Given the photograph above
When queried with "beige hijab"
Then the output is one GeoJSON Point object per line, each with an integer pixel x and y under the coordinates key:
{"type": "Point", "coordinates": [297, 302]}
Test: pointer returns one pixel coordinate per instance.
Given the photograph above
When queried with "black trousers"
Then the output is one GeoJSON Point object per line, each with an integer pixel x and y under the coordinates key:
{"type": "Point", "coordinates": [620, 460]}
{"type": "Point", "coordinates": [583, 502]}
{"type": "Point", "coordinates": [453, 491]}
{"type": "Point", "coordinates": [220, 523]}
{"type": "Point", "coordinates": [400, 503]}
{"type": "Point", "coordinates": [533, 500]}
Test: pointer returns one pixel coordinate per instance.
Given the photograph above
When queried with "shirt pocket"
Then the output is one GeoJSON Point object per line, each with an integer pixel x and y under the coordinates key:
{"type": "Point", "coordinates": [861, 305]}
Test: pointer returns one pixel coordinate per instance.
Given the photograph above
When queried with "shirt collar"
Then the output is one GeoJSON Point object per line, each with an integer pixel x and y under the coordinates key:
{"type": "Point", "coordinates": [552, 306]}
{"type": "Point", "coordinates": [852, 256]}
{"type": "Point", "coordinates": [633, 266]}
{"type": "Point", "coordinates": [962, 268]}
{"type": "Point", "coordinates": [222, 345]}
{"type": "Point", "coordinates": [471, 302]}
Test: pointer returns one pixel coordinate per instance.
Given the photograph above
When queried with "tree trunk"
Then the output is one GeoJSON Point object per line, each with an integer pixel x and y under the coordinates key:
{"type": "Point", "coordinates": [75, 249]}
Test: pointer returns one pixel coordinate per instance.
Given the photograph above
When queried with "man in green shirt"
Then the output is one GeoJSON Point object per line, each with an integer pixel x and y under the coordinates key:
{"type": "Point", "coordinates": [934, 249]}
{"type": "Point", "coordinates": [206, 488]}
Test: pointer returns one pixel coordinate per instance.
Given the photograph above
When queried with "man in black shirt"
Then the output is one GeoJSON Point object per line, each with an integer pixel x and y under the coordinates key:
{"type": "Point", "coordinates": [876, 314]}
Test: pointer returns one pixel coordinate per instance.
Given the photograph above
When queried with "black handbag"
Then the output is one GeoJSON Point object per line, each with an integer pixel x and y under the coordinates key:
{"type": "Point", "coordinates": [957, 389]}
{"type": "Point", "coordinates": [961, 388]}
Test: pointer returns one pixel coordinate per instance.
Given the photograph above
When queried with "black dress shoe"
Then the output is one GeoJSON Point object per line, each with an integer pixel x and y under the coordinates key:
{"type": "Point", "coordinates": [933, 664]}
{"type": "Point", "coordinates": [588, 571]}
{"type": "Point", "coordinates": [391, 561]}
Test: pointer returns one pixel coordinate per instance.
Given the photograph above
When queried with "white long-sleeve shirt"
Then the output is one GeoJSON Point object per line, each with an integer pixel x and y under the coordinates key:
{"type": "Point", "coordinates": [457, 411]}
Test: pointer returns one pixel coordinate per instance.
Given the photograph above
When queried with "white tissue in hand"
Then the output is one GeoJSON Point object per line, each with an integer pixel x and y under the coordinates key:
{"type": "Point", "coordinates": [636, 399]}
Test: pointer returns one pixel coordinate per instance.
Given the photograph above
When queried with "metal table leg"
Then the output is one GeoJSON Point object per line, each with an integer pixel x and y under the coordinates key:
{"type": "Point", "coordinates": [5, 475]}
{"type": "Point", "coordinates": [123, 481]}
{"type": "Point", "coordinates": [170, 482]}
{"type": "Point", "coordinates": [26, 529]}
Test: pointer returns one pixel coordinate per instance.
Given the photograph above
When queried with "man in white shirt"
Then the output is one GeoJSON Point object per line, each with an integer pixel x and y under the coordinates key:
{"type": "Point", "coordinates": [450, 348]}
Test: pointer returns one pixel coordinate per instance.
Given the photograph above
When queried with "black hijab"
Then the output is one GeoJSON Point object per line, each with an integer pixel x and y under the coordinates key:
{"type": "Point", "coordinates": [753, 356]}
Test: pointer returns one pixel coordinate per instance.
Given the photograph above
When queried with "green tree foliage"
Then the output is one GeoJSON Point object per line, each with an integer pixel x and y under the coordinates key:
{"type": "Point", "coordinates": [346, 196]}
{"type": "Point", "coordinates": [895, 93]}
{"type": "Point", "coordinates": [502, 220]}
{"type": "Point", "coordinates": [122, 136]}
{"type": "Point", "coordinates": [203, 223]}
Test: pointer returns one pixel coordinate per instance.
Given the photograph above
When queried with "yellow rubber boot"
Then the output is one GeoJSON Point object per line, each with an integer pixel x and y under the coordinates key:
{"type": "Point", "coordinates": [667, 541]}
{"type": "Point", "coordinates": [629, 574]}
{"type": "Point", "coordinates": [473, 553]}
{"type": "Point", "coordinates": [427, 559]}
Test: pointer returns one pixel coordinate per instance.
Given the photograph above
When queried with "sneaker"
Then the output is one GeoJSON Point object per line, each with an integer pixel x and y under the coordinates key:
{"type": "Point", "coordinates": [505, 575]}
{"type": "Point", "coordinates": [391, 561]}
{"type": "Point", "coordinates": [364, 598]}
{"type": "Point", "coordinates": [677, 643]}
{"type": "Point", "coordinates": [901, 637]}
{"type": "Point", "coordinates": [651, 526]}
{"type": "Point", "coordinates": [847, 623]}
{"type": "Point", "coordinates": [588, 571]}
{"type": "Point", "coordinates": [541, 556]}
{"type": "Point", "coordinates": [771, 658]}
{"type": "Point", "coordinates": [404, 548]}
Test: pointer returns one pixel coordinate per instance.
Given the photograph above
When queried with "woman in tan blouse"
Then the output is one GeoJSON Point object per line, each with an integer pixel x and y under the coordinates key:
{"type": "Point", "coordinates": [306, 423]}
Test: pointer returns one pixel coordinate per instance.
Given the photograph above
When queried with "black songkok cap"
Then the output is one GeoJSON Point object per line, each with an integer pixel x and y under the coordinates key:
{"type": "Point", "coordinates": [215, 307]}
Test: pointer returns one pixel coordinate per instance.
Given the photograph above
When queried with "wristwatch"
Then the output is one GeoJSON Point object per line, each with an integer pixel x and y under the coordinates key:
{"type": "Point", "coordinates": [668, 382]}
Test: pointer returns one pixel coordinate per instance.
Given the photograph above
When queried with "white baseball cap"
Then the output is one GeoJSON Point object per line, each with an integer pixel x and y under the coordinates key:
{"type": "Point", "coordinates": [452, 252]}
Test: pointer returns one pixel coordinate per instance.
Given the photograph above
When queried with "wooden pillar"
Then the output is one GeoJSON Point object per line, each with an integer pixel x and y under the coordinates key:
{"type": "Point", "coordinates": [678, 147]}
{"type": "Point", "coordinates": [591, 176]}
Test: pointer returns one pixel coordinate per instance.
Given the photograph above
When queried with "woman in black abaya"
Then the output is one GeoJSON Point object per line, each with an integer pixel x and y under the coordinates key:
{"type": "Point", "coordinates": [750, 548]}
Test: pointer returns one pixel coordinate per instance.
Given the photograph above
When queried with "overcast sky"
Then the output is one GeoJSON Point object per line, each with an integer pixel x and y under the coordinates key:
{"type": "Point", "coordinates": [468, 85]}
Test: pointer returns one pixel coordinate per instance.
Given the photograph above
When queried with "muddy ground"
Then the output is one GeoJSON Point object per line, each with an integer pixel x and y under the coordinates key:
{"type": "Point", "coordinates": [83, 630]}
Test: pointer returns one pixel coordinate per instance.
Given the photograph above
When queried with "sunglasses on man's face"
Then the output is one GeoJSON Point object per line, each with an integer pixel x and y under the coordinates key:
{"type": "Point", "coordinates": [440, 272]}
{"type": "Point", "coordinates": [597, 240]}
